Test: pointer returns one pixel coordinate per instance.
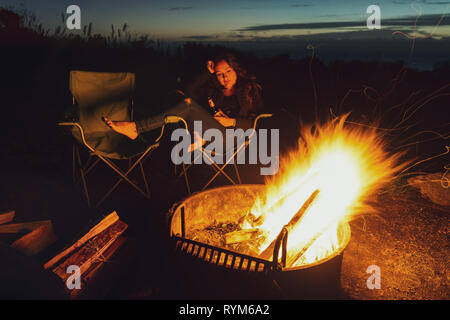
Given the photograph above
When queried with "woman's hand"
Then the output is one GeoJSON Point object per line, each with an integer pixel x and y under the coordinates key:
{"type": "Point", "coordinates": [210, 66]}
{"type": "Point", "coordinates": [224, 120]}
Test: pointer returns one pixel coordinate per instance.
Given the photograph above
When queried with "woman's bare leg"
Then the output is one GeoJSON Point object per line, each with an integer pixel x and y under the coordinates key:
{"type": "Point", "coordinates": [127, 128]}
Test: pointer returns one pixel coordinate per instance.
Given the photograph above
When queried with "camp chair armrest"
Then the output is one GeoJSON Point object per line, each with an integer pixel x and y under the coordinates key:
{"type": "Point", "coordinates": [76, 124]}
{"type": "Point", "coordinates": [262, 115]}
{"type": "Point", "coordinates": [171, 119]}
{"type": "Point", "coordinates": [67, 123]}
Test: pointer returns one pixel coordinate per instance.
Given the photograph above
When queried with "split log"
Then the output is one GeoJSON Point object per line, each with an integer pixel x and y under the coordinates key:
{"type": "Point", "coordinates": [25, 226]}
{"type": "Point", "coordinates": [294, 258]}
{"type": "Point", "coordinates": [7, 216]}
{"type": "Point", "coordinates": [35, 241]}
{"type": "Point", "coordinates": [255, 222]}
{"type": "Point", "coordinates": [91, 251]}
{"type": "Point", "coordinates": [268, 252]}
{"type": "Point", "coordinates": [290, 260]}
{"type": "Point", "coordinates": [101, 276]}
{"type": "Point", "coordinates": [100, 227]}
{"type": "Point", "coordinates": [242, 235]}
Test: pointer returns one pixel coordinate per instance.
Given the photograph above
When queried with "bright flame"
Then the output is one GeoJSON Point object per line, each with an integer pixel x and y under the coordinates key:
{"type": "Point", "coordinates": [346, 165]}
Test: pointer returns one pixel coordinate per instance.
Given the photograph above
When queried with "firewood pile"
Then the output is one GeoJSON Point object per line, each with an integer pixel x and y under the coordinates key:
{"type": "Point", "coordinates": [89, 255]}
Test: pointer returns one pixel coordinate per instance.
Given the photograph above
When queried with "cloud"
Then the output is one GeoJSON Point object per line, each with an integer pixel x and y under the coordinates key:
{"type": "Point", "coordinates": [200, 37]}
{"type": "Point", "coordinates": [218, 37]}
{"type": "Point", "coordinates": [180, 8]}
{"type": "Point", "coordinates": [436, 2]}
{"type": "Point", "coordinates": [301, 5]}
{"type": "Point", "coordinates": [427, 2]}
{"type": "Point", "coordinates": [425, 20]}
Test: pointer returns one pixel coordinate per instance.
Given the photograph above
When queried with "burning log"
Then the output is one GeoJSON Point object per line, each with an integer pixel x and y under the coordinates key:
{"type": "Point", "coordinates": [294, 258]}
{"type": "Point", "coordinates": [251, 219]}
{"type": "Point", "coordinates": [254, 233]}
{"type": "Point", "coordinates": [242, 235]}
{"type": "Point", "coordinates": [7, 216]}
{"type": "Point", "coordinates": [267, 253]}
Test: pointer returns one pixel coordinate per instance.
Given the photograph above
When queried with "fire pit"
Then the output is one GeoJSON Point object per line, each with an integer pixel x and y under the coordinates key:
{"type": "Point", "coordinates": [211, 268]}
{"type": "Point", "coordinates": [284, 239]}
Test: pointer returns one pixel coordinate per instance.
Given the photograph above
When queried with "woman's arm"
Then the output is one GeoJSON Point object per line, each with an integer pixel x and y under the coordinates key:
{"type": "Point", "coordinates": [198, 89]}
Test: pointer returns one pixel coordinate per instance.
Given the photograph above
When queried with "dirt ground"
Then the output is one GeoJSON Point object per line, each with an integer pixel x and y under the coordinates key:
{"type": "Point", "coordinates": [408, 240]}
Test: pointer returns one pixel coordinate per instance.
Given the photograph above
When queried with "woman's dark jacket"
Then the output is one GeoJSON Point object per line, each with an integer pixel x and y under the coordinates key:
{"type": "Point", "coordinates": [206, 86]}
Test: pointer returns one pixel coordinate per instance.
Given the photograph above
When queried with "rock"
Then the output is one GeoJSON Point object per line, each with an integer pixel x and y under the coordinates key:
{"type": "Point", "coordinates": [433, 186]}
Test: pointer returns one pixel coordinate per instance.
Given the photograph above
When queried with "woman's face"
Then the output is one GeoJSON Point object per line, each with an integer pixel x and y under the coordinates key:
{"type": "Point", "coordinates": [225, 74]}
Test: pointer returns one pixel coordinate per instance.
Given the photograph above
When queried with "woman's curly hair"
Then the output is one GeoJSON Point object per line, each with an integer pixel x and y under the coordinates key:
{"type": "Point", "coordinates": [246, 82]}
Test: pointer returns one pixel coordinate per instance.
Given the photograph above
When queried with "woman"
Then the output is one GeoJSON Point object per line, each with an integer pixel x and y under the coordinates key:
{"type": "Point", "coordinates": [233, 97]}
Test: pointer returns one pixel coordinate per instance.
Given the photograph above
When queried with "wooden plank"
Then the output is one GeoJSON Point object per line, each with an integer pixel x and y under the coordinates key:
{"type": "Point", "coordinates": [98, 228]}
{"type": "Point", "coordinates": [91, 251]}
{"type": "Point", "coordinates": [24, 226]}
{"type": "Point", "coordinates": [35, 241]}
{"type": "Point", "coordinates": [7, 216]}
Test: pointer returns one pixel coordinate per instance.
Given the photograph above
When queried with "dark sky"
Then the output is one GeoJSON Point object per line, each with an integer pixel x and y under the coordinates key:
{"type": "Point", "coordinates": [245, 18]}
{"type": "Point", "coordinates": [266, 25]}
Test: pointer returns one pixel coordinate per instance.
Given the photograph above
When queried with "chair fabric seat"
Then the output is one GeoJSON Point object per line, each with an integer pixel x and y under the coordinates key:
{"type": "Point", "coordinates": [119, 147]}
{"type": "Point", "coordinates": [104, 94]}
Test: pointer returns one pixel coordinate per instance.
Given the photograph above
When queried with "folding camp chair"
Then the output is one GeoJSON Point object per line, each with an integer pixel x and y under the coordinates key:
{"type": "Point", "coordinates": [98, 95]}
{"type": "Point", "coordinates": [220, 169]}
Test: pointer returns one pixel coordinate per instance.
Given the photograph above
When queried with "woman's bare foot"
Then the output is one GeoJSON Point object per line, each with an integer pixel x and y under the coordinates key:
{"type": "Point", "coordinates": [198, 142]}
{"type": "Point", "coordinates": [126, 128]}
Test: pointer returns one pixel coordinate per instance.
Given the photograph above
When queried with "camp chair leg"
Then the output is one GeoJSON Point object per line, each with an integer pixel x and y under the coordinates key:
{"type": "Point", "coordinates": [237, 172]}
{"type": "Point", "coordinates": [117, 184]}
{"type": "Point", "coordinates": [215, 176]}
{"type": "Point", "coordinates": [124, 176]}
{"type": "Point", "coordinates": [83, 178]}
{"type": "Point", "coordinates": [74, 148]}
{"type": "Point", "coordinates": [187, 168]}
{"type": "Point", "coordinates": [219, 170]}
{"type": "Point", "coordinates": [186, 180]}
{"type": "Point", "coordinates": [144, 178]}
{"type": "Point", "coordinates": [92, 166]}
{"type": "Point", "coordinates": [87, 167]}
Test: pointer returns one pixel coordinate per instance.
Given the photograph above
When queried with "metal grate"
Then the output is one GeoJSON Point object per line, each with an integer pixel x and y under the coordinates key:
{"type": "Point", "coordinates": [230, 259]}
{"type": "Point", "coordinates": [223, 257]}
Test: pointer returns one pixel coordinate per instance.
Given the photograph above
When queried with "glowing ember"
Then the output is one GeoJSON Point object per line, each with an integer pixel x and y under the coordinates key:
{"type": "Point", "coordinates": [346, 165]}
